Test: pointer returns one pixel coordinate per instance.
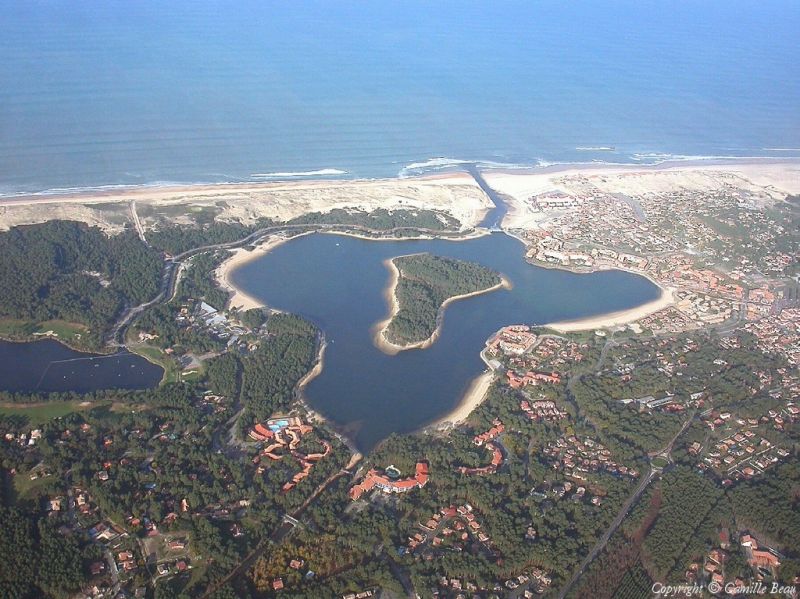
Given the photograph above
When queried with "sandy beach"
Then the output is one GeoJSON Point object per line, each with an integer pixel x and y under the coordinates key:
{"type": "Point", "coordinates": [619, 318]}
{"type": "Point", "coordinates": [379, 329]}
{"type": "Point", "coordinates": [473, 397]}
{"type": "Point", "coordinates": [456, 194]}
{"type": "Point", "coordinates": [477, 389]}
{"type": "Point", "coordinates": [240, 256]}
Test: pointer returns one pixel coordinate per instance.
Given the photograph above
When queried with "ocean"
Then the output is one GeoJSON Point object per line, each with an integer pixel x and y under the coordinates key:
{"type": "Point", "coordinates": [110, 93]}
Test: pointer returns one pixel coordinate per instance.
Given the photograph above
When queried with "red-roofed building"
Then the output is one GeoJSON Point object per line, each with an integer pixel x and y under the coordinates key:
{"type": "Point", "coordinates": [764, 559]}
{"type": "Point", "coordinates": [381, 481]}
{"type": "Point", "coordinates": [489, 435]}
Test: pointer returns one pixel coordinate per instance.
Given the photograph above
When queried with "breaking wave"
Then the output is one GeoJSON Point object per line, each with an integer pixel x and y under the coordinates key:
{"type": "Point", "coordinates": [325, 172]}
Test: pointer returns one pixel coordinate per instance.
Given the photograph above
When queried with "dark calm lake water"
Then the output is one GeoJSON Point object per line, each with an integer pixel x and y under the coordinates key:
{"type": "Point", "coordinates": [338, 283]}
{"type": "Point", "coordinates": [50, 366]}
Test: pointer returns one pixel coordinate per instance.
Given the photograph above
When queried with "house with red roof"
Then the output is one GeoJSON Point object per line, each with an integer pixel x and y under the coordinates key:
{"type": "Point", "coordinates": [374, 479]}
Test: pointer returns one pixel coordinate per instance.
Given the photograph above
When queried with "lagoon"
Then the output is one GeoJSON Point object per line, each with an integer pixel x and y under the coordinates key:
{"type": "Point", "coordinates": [338, 282]}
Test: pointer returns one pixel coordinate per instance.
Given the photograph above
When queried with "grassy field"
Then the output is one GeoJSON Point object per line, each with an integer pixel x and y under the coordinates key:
{"type": "Point", "coordinates": [71, 333]}
{"type": "Point", "coordinates": [35, 415]}
{"type": "Point", "coordinates": [660, 462]}
{"type": "Point", "coordinates": [27, 489]}
{"type": "Point", "coordinates": [38, 413]}
{"type": "Point", "coordinates": [156, 355]}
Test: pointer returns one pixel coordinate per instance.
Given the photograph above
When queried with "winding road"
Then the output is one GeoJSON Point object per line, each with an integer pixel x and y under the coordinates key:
{"type": "Point", "coordinates": [172, 265]}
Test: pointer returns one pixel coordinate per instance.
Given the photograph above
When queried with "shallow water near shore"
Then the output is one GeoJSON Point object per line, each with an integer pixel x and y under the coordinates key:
{"type": "Point", "coordinates": [338, 283]}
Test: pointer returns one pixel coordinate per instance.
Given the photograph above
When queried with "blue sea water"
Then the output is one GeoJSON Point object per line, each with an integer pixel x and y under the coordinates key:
{"type": "Point", "coordinates": [117, 92]}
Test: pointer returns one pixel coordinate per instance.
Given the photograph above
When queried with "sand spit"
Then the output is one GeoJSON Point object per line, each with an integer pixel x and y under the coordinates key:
{"type": "Point", "coordinates": [446, 236]}
{"type": "Point", "coordinates": [473, 397]}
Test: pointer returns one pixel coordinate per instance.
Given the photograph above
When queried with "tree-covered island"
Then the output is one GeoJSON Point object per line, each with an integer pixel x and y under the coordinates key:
{"type": "Point", "coordinates": [420, 288]}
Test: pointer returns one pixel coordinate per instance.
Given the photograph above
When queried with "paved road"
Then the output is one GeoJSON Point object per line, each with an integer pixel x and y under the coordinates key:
{"type": "Point", "coordinates": [137, 223]}
{"type": "Point", "coordinates": [621, 515]}
{"type": "Point", "coordinates": [169, 279]}
{"type": "Point", "coordinates": [607, 535]}
{"type": "Point", "coordinates": [638, 211]}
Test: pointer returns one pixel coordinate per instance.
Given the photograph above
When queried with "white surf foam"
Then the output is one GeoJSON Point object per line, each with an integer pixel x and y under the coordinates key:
{"type": "Point", "coordinates": [99, 189]}
{"type": "Point", "coordinates": [442, 163]}
{"type": "Point", "coordinates": [324, 172]}
{"type": "Point", "coordinates": [659, 157]}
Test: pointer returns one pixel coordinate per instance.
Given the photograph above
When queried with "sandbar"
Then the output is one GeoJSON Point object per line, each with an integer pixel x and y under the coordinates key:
{"type": "Point", "coordinates": [456, 194]}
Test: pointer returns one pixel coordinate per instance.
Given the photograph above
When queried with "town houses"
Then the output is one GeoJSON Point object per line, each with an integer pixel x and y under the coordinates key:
{"type": "Point", "coordinates": [452, 528]}
{"type": "Point", "coordinates": [497, 428]}
{"type": "Point", "coordinates": [486, 439]}
{"type": "Point", "coordinates": [579, 456]}
{"type": "Point", "coordinates": [759, 556]}
{"type": "Point", "coordinates": [541, 410]}
{"type": "Point", "coordinates": [741, 450]}
{"type": "Point", "coordinates": [517, 381]}
{"type": "Point", "coordinates": [745, 245]}
{"type": "Point", "coordinates": [515, 340]}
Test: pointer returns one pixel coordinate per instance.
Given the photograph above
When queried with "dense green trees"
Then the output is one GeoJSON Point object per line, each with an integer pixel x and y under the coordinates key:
{"type": "Point", "coordinates": [424, 284]}
{"type": "Point", "coordinates": [681, 534]}
{"type": "Point", "coordinates": [36, 559]}
{"type": "Point", "coordinates": [70, 271]}
{"type": "Point", "coordinates": [198, 281]}
{"type": "Point", "coordinates": [270, 373]}
{"type": "Point", "coordinates": [176, 239]}
{"type": "Point", "coordinates": [253, 318]}
{"type": "Point", "coordinates": [160, 319]}
{"type": "Point", "coordinates": [771, 504]}
{"type": "Point", "coordinates": [223, 374]}
{"type": "Point", "coordinates": [631, 432]}
{"type": "Point", "coordinates": [382, 219]}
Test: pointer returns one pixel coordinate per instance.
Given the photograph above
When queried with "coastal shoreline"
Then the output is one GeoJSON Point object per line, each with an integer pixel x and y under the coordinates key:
{"type": "Point", "coordinates": [476, 390]}
{"type": "Point", "coordinates": [618, 318]}
{"type": "Point", "coordinates": [149, 191]}
{"type": "Point", "coordinates": [156, 191]}
{"type": "Point", "coordinates": [241, 300]}
{"type": "Point", "coordinates": [315, 416]}
{"type": "Point", "coordinates": [473, 397]}
{"type": "Point", "coordinates": [457, 235]}
{"type": "Point", "coordinates": [699, 163]}
{"type": "Point", "coordinates": [240, 256]}
{"type": "Point", "coordinates": [379, 329]}
{"type": "Point", "coordinates": [479, 386]}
